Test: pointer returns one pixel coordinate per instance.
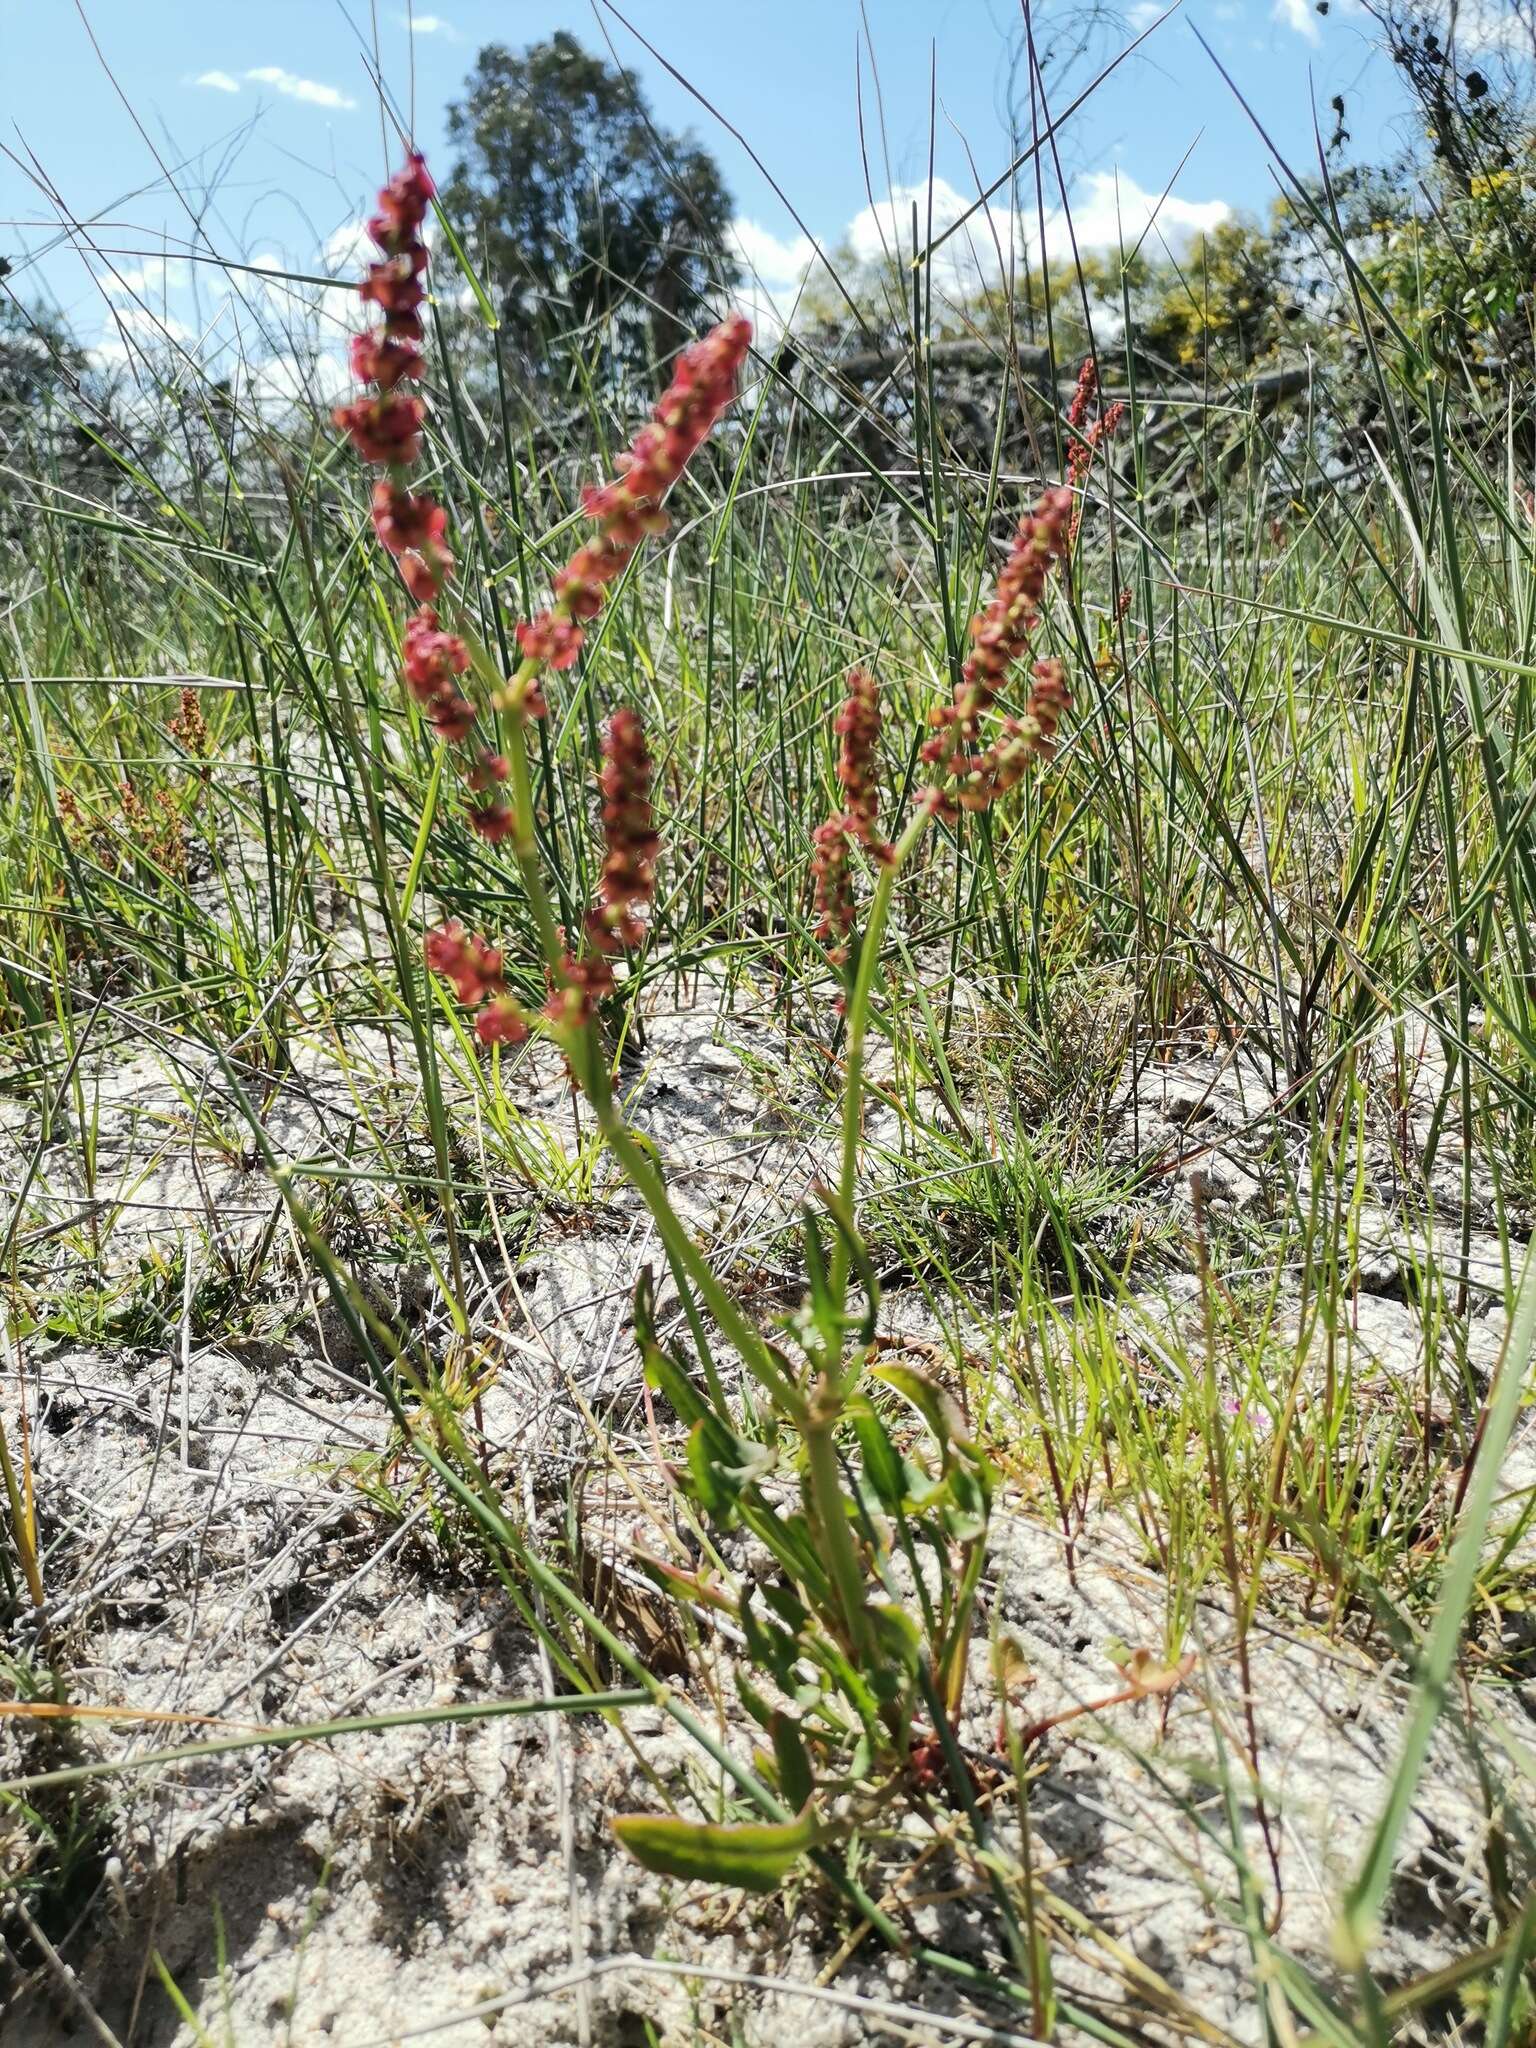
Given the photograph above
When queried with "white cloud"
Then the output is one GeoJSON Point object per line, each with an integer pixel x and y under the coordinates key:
{"type": "Point", "coordinates": [886, 228]}
{"type": "Point", "coordinates": [430, 25]}
{"type": "Point", "coordinates": [773, 272]}
{"type": "Point", "coordinates": [771, 261]}
{"type": "Point", "coordinates": [349, 248]}
{"type": "Point", "coordinates": [348, 252]}
{"type": "Point", "coordinates": [1142, 15]}
{"type": "Point", "coordinates": [295, 88]}
{"type": "Point", "coordinates": [1108, 208]}
{"type": "Point", "coordinates": [1298, 15]}
{"type": "Point", "coordinates": [1105, 209]}
{"type": "Point", "coordinates": [217, 81]}
{"type": "Point", "coordinates": [151, 279]}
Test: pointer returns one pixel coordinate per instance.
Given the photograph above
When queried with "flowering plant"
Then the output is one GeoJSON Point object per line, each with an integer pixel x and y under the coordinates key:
{"type": "Point", "coordinates": [809, 1465]}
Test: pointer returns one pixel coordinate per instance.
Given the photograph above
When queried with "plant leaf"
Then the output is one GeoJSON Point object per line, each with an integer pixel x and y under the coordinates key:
{"type": "Point", "coordinates": [796, 1780]}
{"type": "Point", "coordinates": [753, 1855]}
{"type": "Point", "coordinates": [938, 1408]}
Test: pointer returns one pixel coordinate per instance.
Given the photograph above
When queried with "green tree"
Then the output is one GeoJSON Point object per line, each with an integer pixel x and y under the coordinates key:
{"type": "Point", "coordinates": [55, 418]}
{"type": "Point", "coordinates": [1223, 304]}
{"type": "Point", "coordinates": [593, 223]}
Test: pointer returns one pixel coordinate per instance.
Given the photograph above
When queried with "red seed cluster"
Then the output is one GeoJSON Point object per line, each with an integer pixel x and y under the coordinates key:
{"type": "Point", "coordinates": [629, 508]}
{"type": "Point", "coordinates": [385, 427]}
{"type": "Point", "coordinates": [584, 980]}
{"type": "Point", "coordinates": [628, 879]}
{"type": "Point", "coordinates": [414, 530]}
{"type": "Point", "coordinates": [433, 662]}
{"type": "Point", "coordinates": [474, 970]}
{"type": "Point", "coordinates": [832, 883]}
{"type": "Point", "coordinates": [857, 726]}
{"type": "Point", "coordinates": [466, 960]}
{"type": "Point", "coordinates": [501, 1022]}
{"type": "Point", "coordinates": [1088, 434]}
{"type": "Point", "coordinates": [1079, 412]}
{"type": "Point", "coordinates": [985, 776]}
{"type": "Point", "coordinates": [973, 776]}
{"type": "Point", "coordinates": [189, 728]}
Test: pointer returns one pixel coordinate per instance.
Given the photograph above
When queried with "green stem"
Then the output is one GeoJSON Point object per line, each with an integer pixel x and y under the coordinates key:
{"type": "Point", "coordinates": [858, 1028]}
{"type": "Point", "coordinates": [525, 843]}
{"type": "Point", "coordinates": [830, 1514]}
{"type": "Point", "coordinates": [749, 1343]}
{"type": "Point", "coordinates": [326, 1731]}
{"type": "Point", "coordinates": [584, 1048]}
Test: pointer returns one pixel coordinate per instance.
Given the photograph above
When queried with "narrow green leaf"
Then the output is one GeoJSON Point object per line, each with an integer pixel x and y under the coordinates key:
{"type": "Point", "coordinates": [1355, 1928]}
{"type": "Point", "coordinates": [796, 1780]}
{"type": "Point", "coordinates": [755, 1856]}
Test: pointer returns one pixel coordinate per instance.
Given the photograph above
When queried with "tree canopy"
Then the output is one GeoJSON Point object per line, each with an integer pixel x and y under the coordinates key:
{"type": "Point", "coordinates": [591, 221]}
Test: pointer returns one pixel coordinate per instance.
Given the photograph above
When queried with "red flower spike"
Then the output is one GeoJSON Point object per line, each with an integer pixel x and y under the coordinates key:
{"type": "Point", "coordinates": [1077, 414]}
{"type": "Point", "coordinates": [403, 204]}
{"type": "Point", "coordinates": [1087, 435]}
{"type": "Point", "coordinates": [833, 887]}
{"type": "Point", "coordinates": [999, 639]}
{"type": "Point", "coordinates": [628, 879]}
{"type": "Point", "coordinates": [628, 509]}
{"type": "Point", "coordinates": [857, 725]}
{"type": "Point", "coordinates": [1047, 701]}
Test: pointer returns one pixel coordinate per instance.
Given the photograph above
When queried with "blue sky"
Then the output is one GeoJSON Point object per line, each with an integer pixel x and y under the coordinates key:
{"type": "Point", "coordinates": [267, 115]}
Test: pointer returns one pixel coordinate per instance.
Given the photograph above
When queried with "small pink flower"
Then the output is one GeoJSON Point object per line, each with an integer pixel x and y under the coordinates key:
{"type": "Point", "coordinates": [583, 983]}
{"type": "Point", "coordinates": [493, 821]}
{"type": "Point", "coordinates": [395, 287]}
{"type": "Point", "coordinates": [404, 522]}
{"type": "Point", "coordinates": [403, 204]}
{"type": "Point", "coordinates": [452, 717]}
{"type": "Point", "coordinates": [423, 578]}
{"type": "Point", "coordinates": [551, 639]}
{"type": "Point", "coordinates": [501, 1022]}
{"type": "Point", "coordinates": [472, 966]}
{"type": "Point", "coordinates": [383, 429]}
{"type": "Point", "coordinates": [433, 662]}
{"type": "Point", "coordinates": [433, 658]}
{"type": "Point", "coordinates": [384, 359]}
